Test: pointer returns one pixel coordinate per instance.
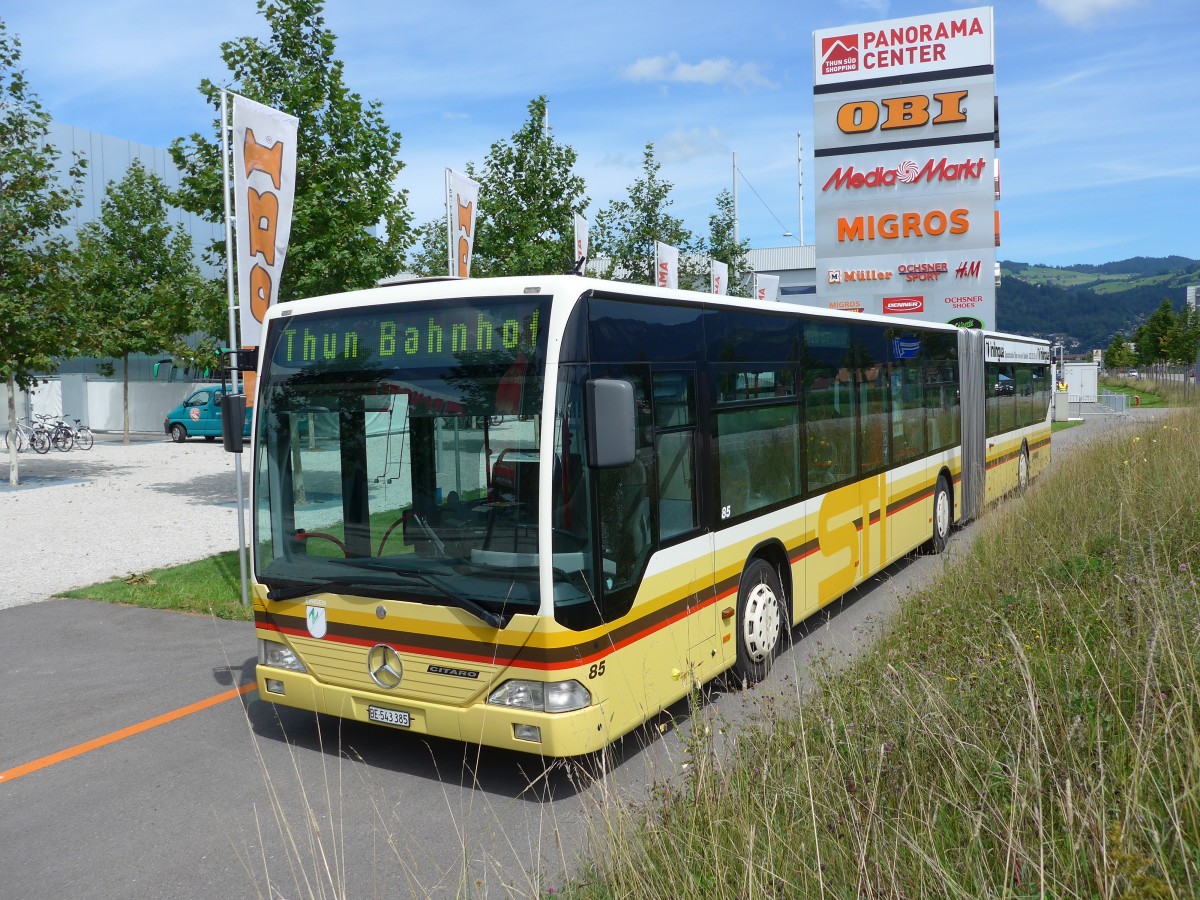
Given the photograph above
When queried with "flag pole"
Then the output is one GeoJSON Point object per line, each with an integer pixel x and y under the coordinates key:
{"type": "Point", "coordinates": [233, 342]}
{"type": "Point", "coordinates": [449, 229]}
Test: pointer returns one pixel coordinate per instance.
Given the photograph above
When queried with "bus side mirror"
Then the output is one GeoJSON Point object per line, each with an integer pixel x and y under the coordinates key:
{"type": "Point", "coordinates": [233, 421]}
{"type": "Point", "coordinates": [612, 423]}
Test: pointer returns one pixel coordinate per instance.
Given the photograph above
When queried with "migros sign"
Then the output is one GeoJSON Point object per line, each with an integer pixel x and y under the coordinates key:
{"type": "Point", "coordinates": [897, 226]}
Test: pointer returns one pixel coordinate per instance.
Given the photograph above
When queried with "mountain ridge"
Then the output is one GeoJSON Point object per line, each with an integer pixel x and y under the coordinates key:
{"type": "Point", "coordinates": [1085, 305]}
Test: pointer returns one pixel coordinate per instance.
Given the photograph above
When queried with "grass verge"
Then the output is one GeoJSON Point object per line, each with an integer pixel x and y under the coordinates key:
{"type": "Point", "coordinates": [1029, 727]}
{"type": "Point", "coordinates": [208, 586]}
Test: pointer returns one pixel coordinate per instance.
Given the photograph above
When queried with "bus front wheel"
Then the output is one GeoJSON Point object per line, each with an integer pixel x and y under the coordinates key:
{"type": "Point", "coordinates": [761, 619]}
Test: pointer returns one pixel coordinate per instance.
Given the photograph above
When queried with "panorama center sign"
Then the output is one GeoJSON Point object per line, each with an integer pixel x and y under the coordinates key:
{"type": "Point", "coordinates": [905, 133]}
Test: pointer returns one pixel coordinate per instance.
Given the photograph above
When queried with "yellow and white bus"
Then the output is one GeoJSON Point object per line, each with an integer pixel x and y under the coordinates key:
{"type": "Point", "coordinates": [530, 512]}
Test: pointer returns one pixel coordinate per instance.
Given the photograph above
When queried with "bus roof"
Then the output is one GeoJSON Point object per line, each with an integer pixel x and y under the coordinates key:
{"type": "Point", "coordinates": [575, 285]}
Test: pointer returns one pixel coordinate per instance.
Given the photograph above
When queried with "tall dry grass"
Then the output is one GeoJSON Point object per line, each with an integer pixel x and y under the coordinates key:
{"type": "Point", "coordinates": [1029, 727]}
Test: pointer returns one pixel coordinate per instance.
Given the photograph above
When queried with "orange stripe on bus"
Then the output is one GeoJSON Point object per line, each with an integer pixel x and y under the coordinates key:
{"type": "Point", "coordinates": [122, 733]}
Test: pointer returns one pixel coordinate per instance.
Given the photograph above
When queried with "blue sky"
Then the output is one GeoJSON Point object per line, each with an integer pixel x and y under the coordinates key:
{"type": "Point", "coordinates": [1100, 131]}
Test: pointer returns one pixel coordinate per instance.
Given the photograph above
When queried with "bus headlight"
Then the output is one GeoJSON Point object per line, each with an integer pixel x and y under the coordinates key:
{"type": "Point", "coordinates": [554, 696]}
{"type": "Point", "coordinates": [280, 656]}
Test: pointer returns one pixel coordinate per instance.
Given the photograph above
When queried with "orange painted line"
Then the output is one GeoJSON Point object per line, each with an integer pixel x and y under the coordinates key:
{"type": "Point", "coordinates": [111, 738]}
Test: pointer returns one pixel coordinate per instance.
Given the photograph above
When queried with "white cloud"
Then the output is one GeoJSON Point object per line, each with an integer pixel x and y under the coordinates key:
{"type": "Point", "coordinates": [1084, 12]}
{"type": "Point", "coordinates": [877, 7]}
{"type": "Point", "coordinates": [681, 145]}
{"type": "Point", "coordinates": [671, 68]}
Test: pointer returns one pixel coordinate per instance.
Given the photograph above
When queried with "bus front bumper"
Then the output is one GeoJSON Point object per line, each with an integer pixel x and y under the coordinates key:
{"type": "Point", "coordinates": [557, 734]}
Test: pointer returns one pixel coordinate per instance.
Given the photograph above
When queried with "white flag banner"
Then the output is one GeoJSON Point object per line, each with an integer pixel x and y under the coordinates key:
{"type": "Point", "coordinates": [718, 279]}
{"type": "Point", "coordinates": [666, 265]}
{"type": "Point", "coordinates": [462, 200]}
{"type": "Point", "coordinates": [766, 287]}
{"type": "Point", "coordinates": [264, 188]}
{"type": "Point", "coordinates": [581, 238]}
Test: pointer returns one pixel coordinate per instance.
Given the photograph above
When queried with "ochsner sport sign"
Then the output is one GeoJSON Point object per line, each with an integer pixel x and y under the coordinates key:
{"type": "Point", "coordinates": [904, 131]}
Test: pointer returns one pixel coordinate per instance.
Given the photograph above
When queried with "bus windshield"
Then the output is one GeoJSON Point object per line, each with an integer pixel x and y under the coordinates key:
{"type": "Point", "coordinates": [397, 454]}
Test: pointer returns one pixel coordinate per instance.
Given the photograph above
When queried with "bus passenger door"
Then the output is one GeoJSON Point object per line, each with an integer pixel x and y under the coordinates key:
{"type": "Point", "coordinates": [689, 550]}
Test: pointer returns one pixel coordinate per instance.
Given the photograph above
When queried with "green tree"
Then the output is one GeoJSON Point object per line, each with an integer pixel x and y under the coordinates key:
{"type": "Point", "coordinates": [350, 226]}
{"type": "Point", "coordinates": [1183, 338]}
{"type": "Point", "coordinates": [429, 256]}
{"type": "Point", "coordinates": [723, 248]}
{"type": "Point", "coordinates": [1119, 355]}
{"type": "Point", "coordinates": [1152, 335]}
{"type": "Point", "coordinates": [139, 285]}
{"type": "Point", "coordinates": [528, 196]}
{"type": "Point", "coordinates": [37, 318]}
{"type": "Point", "coordinates": [625, 230]}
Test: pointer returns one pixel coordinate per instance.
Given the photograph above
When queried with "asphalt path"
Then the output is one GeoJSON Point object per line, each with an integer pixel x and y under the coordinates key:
{"type": "Point", "coordinates": [137, 760]}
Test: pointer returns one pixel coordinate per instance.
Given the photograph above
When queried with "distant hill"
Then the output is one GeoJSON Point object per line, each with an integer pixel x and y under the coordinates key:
{"type": "Point", "coordinates": [1085, 305]}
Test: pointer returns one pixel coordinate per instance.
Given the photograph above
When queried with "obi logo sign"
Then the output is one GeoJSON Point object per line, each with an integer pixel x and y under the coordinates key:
{"type": "Point", "coordinates": [913, 111]}
{"type": "Point", "coordinates": [264, 175]}
{"type": "Point", "coordinates": [465, 233]}
{"type": "Point", "coordinates": [263, 216]}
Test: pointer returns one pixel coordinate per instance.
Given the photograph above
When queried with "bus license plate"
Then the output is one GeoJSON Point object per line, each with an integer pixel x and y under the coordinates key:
{"type": "Point", "coordinates": [388, 716]}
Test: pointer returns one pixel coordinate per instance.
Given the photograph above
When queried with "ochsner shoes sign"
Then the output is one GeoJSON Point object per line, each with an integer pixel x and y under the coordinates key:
{"type": "Point", "coordinates": [904, 133]}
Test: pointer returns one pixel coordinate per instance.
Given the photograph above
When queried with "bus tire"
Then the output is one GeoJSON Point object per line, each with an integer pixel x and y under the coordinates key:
{"type": "Point", "coordinates": [943, 517]}
{"type": "Point", "coordinates": [1023, 470]}
{"type": "Point", "coordinates": [761, 620]}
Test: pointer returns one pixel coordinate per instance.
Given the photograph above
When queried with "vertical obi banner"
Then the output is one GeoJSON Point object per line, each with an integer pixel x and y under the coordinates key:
{"type": "Point", "coordinates": [766, 287]}
{"type": "Point", "coordinates": [264, 184]}
{"type": "Point", "coordinates": [581, 238]}
{"type": "Point", "coordinates": [462, 199]}
{"type": "Point", "coordinates": [718, 278]}
{"type": "Point", "coordinates": [905, 135]}
{"type": "Point", "coordinates": [666, 265]}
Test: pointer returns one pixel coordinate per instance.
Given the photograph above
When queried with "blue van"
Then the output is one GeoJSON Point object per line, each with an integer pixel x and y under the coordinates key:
{"type": "Point", "coordinates": [199, 416]}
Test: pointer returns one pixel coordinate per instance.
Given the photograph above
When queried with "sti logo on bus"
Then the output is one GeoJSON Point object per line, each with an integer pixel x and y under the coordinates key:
{"type": "Point", "coordinates": [912, 111]}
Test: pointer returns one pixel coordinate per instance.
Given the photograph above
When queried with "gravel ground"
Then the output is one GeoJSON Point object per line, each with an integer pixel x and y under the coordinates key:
{"type": "Point", "coordinates": [87, 516]}
{"type": "Point", "coordinates": [82, 517]}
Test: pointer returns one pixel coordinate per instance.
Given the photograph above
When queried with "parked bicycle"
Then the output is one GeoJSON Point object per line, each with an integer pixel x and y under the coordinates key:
{"type": "Point", "coordinates": [25, 434]}
{"type": "Point", "coordinates": [82, 436]}
{"type": "Point", "coordinates": [61, 436]}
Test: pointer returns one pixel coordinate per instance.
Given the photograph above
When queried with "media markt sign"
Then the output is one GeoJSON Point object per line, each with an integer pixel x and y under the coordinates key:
{"type": "Point", "coordinates": [904, 144]}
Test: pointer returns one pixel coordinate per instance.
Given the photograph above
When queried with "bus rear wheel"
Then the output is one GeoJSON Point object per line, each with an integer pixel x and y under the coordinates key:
{"type": "Point", "coordinates": [943, 517]}
{"type": "Point", "coordinates": [761, 620]}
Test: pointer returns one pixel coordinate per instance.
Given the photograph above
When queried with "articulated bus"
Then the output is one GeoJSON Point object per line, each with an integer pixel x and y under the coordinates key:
{"type": "Point", "coordinates": [531, 513]}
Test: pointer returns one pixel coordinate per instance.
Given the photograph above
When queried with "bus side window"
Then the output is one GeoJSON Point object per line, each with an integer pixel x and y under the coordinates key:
{"type": "Point", "coordinates": [675, 421]}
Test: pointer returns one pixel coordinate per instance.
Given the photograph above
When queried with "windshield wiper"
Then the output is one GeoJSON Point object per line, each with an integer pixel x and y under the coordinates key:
{"type": "Point", "coordinates": [464, 603]}
{"type": "Point", "coordinates": [291, 592]}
